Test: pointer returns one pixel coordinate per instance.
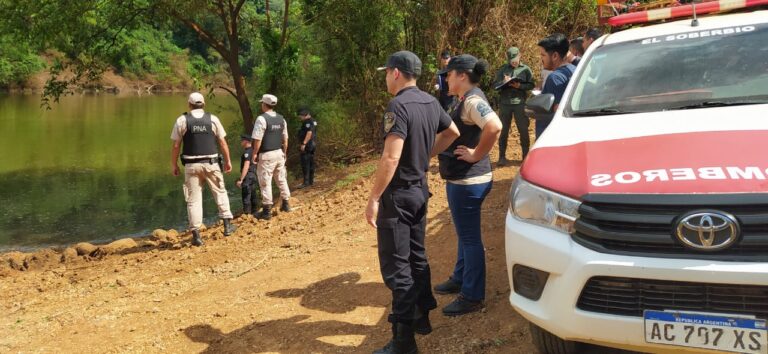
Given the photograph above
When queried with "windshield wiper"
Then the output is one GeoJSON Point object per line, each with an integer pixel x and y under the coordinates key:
{"type": "Point", "coordinates": [600, 112]}
{"type": "Point", "coordinates": [709, 104]}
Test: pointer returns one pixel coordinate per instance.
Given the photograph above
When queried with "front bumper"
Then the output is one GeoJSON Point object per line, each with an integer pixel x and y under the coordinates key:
{"type": "Point", "coordinates": [571, 265]}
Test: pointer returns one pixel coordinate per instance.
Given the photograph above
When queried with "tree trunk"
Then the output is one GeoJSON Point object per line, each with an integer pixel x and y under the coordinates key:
{"type": "Point", "coordinates": [241, 95]}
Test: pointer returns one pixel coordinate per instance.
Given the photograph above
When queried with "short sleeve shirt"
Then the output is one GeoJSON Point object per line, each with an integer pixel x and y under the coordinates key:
{"type": "Point", "coordinates": [260, 126]}
{"type": "Point", "coordinates": [180, 127]}
{"type": "Point", "coordinates": [477, 112]}
{"type": "Point", "coordinates": [309, 125]}
{"type": "Point", "coordinates": [416, 117]}
{"type": "Point", "coordinates": [558, 80]}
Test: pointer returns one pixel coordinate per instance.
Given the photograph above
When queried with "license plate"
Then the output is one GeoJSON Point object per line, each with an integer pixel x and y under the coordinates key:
{"type": "Point", "coordinates": [717, 332]}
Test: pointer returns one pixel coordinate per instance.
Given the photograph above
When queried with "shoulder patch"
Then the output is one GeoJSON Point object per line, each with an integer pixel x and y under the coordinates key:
{"type": "Point", "coordinates": [389, 121]}
{"type": "Point", "coordinates": [484, 108]}
{"type": "Point", "coordinates": [308, 125]}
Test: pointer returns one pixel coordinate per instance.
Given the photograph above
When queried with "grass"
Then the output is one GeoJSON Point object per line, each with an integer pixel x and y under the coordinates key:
{"type": "Point", "coordinates": [363, 171]}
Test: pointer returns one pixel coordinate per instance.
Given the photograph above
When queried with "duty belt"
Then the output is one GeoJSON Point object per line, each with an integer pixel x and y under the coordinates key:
{"type": "Point", "coordinates": [210, 160]}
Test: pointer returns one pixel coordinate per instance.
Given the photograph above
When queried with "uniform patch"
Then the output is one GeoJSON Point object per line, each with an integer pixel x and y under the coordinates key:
{"type": "Point", "coordinates": [308, 125]}
{"type": "Point", "coordinates": [484, 109]}
{"type": "Point", "coordinates": [389, 121]}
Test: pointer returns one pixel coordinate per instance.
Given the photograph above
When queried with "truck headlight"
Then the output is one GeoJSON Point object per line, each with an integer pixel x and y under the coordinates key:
{"type": "Point", "coordinates": [539, 206]}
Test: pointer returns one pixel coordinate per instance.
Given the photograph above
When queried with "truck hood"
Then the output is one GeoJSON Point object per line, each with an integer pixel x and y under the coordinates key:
{"type": "Point", "coordinates": [704, 151]}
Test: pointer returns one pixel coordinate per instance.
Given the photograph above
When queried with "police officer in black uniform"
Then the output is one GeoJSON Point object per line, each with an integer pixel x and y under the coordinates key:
{"type": "Point", "coordinates": [248, 181]}
{"type": "Point", "coordinates": [415, 126]}
{"type": "Point", "coordinates": [307, 138]}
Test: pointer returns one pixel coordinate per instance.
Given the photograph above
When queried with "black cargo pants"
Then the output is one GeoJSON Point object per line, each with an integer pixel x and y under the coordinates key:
{"type": "Point", "coordinates": [308, 166]}
{"type": "Point", "coordinates": [250, 193]}
{"type": "Point", "coordinates": [401, 227]}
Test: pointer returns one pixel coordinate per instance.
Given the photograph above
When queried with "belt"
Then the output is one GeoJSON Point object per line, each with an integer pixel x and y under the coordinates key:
{"type": "Point", "coordinates": [210, 160]}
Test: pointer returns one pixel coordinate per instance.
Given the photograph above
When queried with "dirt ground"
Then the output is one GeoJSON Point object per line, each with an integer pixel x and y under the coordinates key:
{"type": "Point", "coordinates": [303, 282]}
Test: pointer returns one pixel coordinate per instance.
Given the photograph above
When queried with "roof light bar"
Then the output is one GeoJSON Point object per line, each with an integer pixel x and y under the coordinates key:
{"type": "Point", "coordinates": [682, 11]}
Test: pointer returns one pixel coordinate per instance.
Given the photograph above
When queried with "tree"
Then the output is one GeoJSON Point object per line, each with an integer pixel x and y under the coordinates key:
{"type": "Point", "coordinates": [84, 31]}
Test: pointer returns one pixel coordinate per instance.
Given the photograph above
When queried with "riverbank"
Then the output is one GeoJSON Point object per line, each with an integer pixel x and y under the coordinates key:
{"type": "Point", "coordinates": [306, 281]}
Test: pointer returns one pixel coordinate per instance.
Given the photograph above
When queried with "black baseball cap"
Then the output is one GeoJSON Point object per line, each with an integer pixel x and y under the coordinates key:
{"type": "Point", "coordinates": [303, 112]}
{"type": "Point", "coordinates": [404, 61]}
{"type": "Point", "coordinates": [245, 137]}
{"type": "Point", "coordinates": [446, 54]}
{"type": "Point", "coordinates": [463, 62]}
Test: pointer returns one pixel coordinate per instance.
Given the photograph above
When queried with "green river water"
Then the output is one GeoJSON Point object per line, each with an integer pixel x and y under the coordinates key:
{"type": "Point", "coordinates": [95, 168]}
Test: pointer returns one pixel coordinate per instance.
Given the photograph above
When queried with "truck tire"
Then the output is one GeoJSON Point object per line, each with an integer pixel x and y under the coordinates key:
{"type": "Point", "coordinates": [548, 343]}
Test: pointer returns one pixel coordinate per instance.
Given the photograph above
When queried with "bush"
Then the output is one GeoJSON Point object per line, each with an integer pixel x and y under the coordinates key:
{"type": "Point", "coordinates": [18, 61]}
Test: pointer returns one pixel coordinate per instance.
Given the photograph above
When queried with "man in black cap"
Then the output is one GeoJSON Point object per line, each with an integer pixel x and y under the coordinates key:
{"type": "Point", "coordinates": [414, 125]}
{"type": "Point", "coordinates": [513, 81]}
{"type": "Point", "coordinates": [248, 180]}
{"type": "Point", "coordinates": [307, 138]}
{"type": "Point", "coordinates": [441, 86]}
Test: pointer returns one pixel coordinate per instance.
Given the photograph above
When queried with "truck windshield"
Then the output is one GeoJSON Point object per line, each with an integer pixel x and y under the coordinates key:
{"type": "Point", "coordinates": [704, 68]}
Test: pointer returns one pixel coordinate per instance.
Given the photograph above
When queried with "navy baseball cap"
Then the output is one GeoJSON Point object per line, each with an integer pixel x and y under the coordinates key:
{"type": "Point", "coordinates": [404, 61]}
{"type": "Point", "coordinates": [463, 62]}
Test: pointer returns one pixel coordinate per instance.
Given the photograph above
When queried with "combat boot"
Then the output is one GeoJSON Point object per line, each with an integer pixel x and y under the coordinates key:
{"type": "Point", "coordinates": [403, 341]}
{"type": "Point", "coordinates": [285, 207]}
{"type": "Point", "coordinates": [266, 213]}
{"type": "Point", "coordinates": [196, 240]}
{"type": "Point", "coordinates": [229, 227]}
{"type": "Point", "coordinates": [422, 325]}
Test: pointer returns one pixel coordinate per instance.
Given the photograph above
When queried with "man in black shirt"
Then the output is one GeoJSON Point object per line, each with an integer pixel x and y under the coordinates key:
{"type": "Point", "coordinates": [414, 126]}
{"type": "Point", "coordinates": [248, 180]}
{"type": "Point", "coordinates": [307, 138]}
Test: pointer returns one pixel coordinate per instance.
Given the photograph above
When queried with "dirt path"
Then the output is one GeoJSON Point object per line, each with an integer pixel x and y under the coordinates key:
{"type": "Point", "coordinates": [303, 282]}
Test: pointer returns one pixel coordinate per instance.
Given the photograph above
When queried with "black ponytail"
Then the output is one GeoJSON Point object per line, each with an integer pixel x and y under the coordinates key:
{"type": "Point", "coordinates": [480, 69]}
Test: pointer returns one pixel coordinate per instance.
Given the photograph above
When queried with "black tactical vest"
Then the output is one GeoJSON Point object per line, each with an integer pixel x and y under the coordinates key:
{"type": "Point", "coordinates": [273, 134]}
{"type": "Point", "coordinates": [199, 139]}
{"type": "Point", "coordinates": [452, 168]}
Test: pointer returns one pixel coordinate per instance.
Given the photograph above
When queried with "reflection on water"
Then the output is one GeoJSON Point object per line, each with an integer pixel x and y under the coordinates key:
{"type": "Point", "coordinates": [94, 167]}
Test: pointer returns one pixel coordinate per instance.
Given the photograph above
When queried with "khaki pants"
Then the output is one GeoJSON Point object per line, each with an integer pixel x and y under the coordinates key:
{"type": "Point", "coordinates": [195, 174]}
{"type": "Point", "coordinates": [272, 163]}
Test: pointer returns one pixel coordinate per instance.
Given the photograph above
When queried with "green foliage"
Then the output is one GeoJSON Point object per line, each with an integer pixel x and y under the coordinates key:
{"type": "Point", "coordinates": [18, 61]}
{"type": "Point", "coordinates": [142, 52]}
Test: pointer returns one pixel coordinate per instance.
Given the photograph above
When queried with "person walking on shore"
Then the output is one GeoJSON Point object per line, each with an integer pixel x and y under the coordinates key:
{"type": "Point", "coordinates": [196, 135]}
{"type": "Point", "coordinates": [270, 144]}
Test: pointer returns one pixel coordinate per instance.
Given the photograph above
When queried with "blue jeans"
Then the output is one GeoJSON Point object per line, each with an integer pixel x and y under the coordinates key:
{"type": "Point", "coordinates": [465, 202]}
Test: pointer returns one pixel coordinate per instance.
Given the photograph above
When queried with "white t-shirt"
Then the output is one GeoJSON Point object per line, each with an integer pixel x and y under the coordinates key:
{"type": "Point", "coordinates": [177, 133]}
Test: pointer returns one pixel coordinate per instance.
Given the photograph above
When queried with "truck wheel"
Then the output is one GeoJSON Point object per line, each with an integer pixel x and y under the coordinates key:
{"type": "Point", "coordinates": [548, 343]}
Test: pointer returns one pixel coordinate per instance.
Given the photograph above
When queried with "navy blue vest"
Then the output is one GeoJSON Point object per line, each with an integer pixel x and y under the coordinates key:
{"type": "Point", "coordinates": [452, 168]}
{"type": "Point", "coordinates": [199, 139]}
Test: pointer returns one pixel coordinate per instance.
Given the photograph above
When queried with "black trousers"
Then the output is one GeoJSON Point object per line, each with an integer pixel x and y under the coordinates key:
{"type": "Point", "coordinates": [308, 166]}
{"type": "Point", "coordinates": [401, 227]}
{"type": "Point", "coordinates": [251, 195]}
{"type": "Point", "coordinates": [521, 121]}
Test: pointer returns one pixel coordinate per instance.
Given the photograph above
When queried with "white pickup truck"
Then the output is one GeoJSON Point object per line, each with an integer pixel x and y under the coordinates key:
{"type": "Point", "coordinates": [639, 219]}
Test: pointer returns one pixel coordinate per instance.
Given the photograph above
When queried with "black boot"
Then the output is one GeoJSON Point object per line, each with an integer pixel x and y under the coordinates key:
{"type": "Point", "coordinates": [403, 341]}
{"type": "Point", "coordinates": [448, 287]}
{"type": "Point", "coordinates": [422, 325]}
{"type": "Point", "coordinates": [285, 207]}
{"type": "Point", "coordinates": [266, 213]}
{"type": "Point", "coordinates": [229, 227]}
{"type": "Point", "coordinates": [196, 240]}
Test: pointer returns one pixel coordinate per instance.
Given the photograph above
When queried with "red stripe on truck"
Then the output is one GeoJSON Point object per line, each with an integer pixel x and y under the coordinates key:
{"type": "Point", "coordinates": [701, 162]}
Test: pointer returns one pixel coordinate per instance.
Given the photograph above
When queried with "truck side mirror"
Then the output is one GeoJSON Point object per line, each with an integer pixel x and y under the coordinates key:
{"type": "Point", "coordinates": [541, 103]}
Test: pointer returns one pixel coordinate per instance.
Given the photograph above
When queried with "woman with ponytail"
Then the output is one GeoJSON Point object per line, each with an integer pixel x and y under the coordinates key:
{"type": "Point", "coordinates": [466, 167]}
